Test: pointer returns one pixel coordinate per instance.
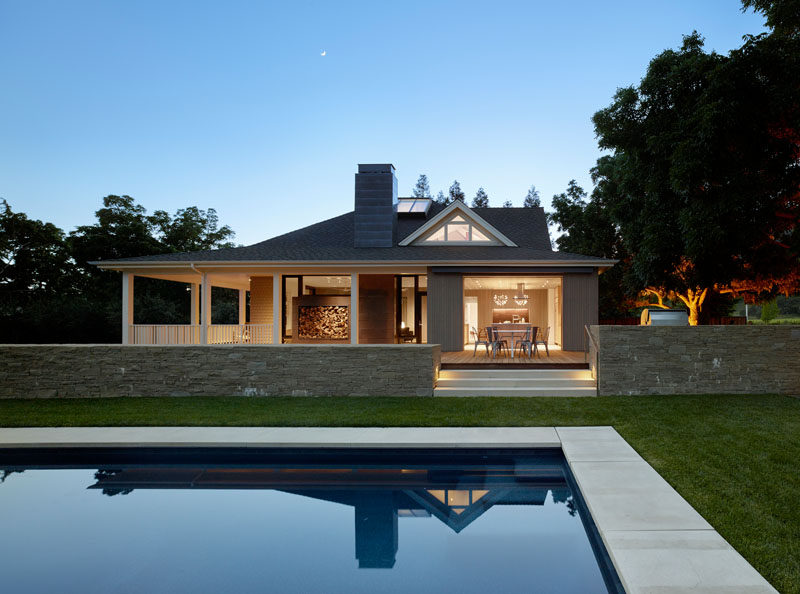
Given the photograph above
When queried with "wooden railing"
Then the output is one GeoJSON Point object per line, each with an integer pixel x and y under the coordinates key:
{"type": "Point", "coordinates": [240, 334]}
{"type": "Point", "coordinates": [165, 334]}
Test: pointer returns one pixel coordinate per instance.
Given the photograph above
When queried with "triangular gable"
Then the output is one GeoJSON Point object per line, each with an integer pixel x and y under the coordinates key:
{"type": "Point", "coordinates": [433, 232]}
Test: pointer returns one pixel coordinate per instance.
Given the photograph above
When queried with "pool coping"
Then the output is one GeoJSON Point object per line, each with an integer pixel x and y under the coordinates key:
{"type": "Point", "coordinates": [663, 546]}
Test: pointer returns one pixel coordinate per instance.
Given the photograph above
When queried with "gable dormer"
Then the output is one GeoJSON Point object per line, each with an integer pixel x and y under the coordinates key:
{"type": "Point", "coordinates": [457, 225]}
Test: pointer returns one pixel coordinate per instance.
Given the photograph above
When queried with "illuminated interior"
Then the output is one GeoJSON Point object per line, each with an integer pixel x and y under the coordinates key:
{"type": "Point", "coordinates": [534, 300]}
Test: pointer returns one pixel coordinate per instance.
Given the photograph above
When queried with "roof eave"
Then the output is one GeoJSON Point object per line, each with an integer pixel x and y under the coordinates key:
{"type": "Point", "coordinates": [127, 265]}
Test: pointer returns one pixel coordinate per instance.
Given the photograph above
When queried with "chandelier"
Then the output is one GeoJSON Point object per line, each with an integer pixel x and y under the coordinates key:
{"type": "Point", "coordinates": [500, 299]}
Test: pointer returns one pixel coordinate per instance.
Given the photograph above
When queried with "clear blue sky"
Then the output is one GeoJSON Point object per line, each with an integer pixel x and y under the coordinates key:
{"type": "Point", "coordinates": [230, 104]}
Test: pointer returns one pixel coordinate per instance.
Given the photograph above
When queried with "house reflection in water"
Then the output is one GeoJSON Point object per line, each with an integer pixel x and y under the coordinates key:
{"type": "Point", "coordinates": [379, 496]}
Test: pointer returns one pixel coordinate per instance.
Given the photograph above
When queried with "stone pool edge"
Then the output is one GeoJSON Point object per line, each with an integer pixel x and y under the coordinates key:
{"type": "Point", "coordinates": [655, 539]}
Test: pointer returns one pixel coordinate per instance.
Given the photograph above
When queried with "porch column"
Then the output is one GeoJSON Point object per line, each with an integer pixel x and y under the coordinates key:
{"type": "Point", "coordinates": [127, 306]}
{"type": "Point", "coordinates": [277, 307]}
{"type": "Point", "coordinates": [194, 295]}
{"type": "Point", "coordinates": [354, 308]}
{"type": "Point", "coordinates": [242, 306]}
{"type": "Point", "coordinates": [206, 308]}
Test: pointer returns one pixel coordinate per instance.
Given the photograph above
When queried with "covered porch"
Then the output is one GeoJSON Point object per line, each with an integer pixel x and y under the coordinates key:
{"type": "Point", "coordinates": [309, 305]}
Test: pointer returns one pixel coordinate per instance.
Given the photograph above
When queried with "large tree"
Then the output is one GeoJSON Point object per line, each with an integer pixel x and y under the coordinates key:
{"type": "Point", "coordinates": [705, 171]}
{"type": "Point", "coordinates": [33, 257]}
{"type": "Point", "coordinates": [50, 293]}
{"type": "Point", "coordinates": [586, 228]}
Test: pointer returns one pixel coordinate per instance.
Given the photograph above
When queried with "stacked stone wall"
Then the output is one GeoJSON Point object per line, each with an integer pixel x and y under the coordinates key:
{"type": "Point", "coordinates": [97, 371]}
{"type": "Point", "coordinates": [697, 360]}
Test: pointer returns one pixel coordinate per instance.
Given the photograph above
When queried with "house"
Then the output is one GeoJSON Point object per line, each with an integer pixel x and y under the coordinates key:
{"type": "Point", "coordinates": [393, 270]}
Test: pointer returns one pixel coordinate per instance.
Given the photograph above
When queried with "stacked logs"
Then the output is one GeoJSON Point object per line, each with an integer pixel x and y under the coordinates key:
{"type": "Point", "coordinates": [323, 322]}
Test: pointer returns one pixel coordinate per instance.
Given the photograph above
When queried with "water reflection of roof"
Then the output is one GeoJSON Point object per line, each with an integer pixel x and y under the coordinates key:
{"type": "Point", "coordinates": [379, 496]}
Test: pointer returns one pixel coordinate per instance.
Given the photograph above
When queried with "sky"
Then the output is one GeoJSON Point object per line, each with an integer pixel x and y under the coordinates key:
{"type": "Point", "coordinates": [230, 105]}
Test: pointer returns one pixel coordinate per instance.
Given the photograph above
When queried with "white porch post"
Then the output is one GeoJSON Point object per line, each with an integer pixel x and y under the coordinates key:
{"type": "Point", "coordinates": [127, 306]}
{"type": "Point", "coordinates": [354, 308]}
{"type": "Point", "coordinates": [276, 308]}
{"type": "Point", "coordinates": [194, 295]}
{"type": "Point", "coordinates": [242, 306]}
{"type": "Point", "coordinates": [206, 309]}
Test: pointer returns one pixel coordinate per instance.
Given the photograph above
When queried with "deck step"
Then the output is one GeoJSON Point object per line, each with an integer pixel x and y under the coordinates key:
{"type": "Point", "coordinates": [520, 391]}
{"type": "Point", "coordinates": [447, 382]}
{"type": "Point", "coordinates": [487, 374]}
{"type": "Point", "coordinates": [515, 382]}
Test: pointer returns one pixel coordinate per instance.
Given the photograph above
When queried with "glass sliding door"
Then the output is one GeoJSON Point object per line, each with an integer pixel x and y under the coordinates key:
{"type": "Point", "coordinates": [290, 290]}
{"type": "Point", "coordinates": [411, 309]}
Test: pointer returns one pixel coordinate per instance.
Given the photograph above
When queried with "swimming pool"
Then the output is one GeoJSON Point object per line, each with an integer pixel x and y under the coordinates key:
{"type": "Point", "coordinates": [296, 520]}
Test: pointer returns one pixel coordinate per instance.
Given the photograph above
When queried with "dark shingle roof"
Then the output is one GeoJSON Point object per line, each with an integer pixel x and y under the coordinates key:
{"type": "Point", "coordinates": [332, 240]}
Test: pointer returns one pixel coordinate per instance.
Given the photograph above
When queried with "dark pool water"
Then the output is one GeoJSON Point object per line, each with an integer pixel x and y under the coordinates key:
{"type": "Point", "coordinates": [298, 521]}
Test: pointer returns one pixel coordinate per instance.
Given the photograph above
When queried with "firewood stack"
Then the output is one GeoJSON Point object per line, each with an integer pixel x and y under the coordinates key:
{"type": "Point", "coordinates": [323, 322]}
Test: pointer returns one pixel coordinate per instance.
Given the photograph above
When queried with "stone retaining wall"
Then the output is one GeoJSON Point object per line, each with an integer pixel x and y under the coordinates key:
{"type": "Point", "coordinates": [697, 360]}
{"type": "Point", "coordinates": [98, 371]}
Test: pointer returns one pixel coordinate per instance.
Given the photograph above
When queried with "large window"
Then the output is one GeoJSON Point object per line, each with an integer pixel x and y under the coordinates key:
{"type": "Point", "coordinates": [457, 230]}
{"type": "Point", "coordinates": [534, 300]}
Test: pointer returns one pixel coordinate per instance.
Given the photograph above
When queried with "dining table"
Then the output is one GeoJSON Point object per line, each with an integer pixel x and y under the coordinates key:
{"type": "Point", "coordinates": [513, 332]}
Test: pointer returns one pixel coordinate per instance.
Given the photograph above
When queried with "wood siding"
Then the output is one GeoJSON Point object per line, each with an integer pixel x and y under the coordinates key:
{"type": "Point", "coordinates": [446, 311]}
{"type": "Point", "coordinates": [579, 306]}
{"type": "Point", "coordinates": [261, 300]}
{"type": "Point", "coordinates": [376, 315]}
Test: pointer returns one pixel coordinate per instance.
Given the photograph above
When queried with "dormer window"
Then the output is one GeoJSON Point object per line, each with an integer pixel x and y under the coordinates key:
{"type": "Point", "coordinates": [457, 230]}
{"type": "Point", "coordinates": [457, 225]}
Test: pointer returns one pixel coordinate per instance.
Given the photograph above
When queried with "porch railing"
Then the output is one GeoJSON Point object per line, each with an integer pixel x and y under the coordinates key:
{"type": "Point", "coordinates": [166, 334]}
{"type": "Point", "coordinates": [240, 334]}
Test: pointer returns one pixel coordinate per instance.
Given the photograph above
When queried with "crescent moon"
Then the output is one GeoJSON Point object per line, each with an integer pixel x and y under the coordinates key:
{"type": "Point", "coordinates": [323, 53]}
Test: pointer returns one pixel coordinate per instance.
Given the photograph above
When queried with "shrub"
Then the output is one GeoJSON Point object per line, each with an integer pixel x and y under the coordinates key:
{"type": "Point", "coordinates": [769, 311]}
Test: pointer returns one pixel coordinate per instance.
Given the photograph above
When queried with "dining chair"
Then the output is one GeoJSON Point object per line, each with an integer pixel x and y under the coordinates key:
{"type": "Point", "coordinates": [542, 338]}
{"type": "Point", "coordinates": [527, 344]}
{"type": "Point", "coordinates": [495, 341]}
{"type": "Point", "coordinates": [476, 336]}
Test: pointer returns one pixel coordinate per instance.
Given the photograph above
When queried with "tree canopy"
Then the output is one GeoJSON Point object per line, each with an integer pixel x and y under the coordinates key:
{"type": "Point", "coordinates": [700, 193]}
{"type": "Point", "coordinates": [532, 198]}
{"type": "Point", "coordinates": [422, 189]}
{"type": "Point", "coordinates": [50, 293]}
{"type": "Point", "coordinates": [481, 199]}
{"type": "Point", "coordinates": [455, 193]}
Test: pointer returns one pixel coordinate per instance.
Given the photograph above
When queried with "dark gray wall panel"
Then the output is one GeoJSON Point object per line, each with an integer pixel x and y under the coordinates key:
{"type": "Point", "coordinates": [579, 308]}
{"type": "Point", "coordinates": [446, 311]}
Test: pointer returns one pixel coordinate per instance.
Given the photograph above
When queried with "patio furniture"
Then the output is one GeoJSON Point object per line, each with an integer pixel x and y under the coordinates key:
{"type": "Point", "coordinates": [512, 331]}
{"type": "Point", "coordinates": [476, 337]}
{"type": "Point", "coordinates": [542, 338]}
{"type": "Point", "coordinates": [496, 342]}
{"type": "Point", "coordinates": [528, 344]}
{"type": "Point", "coordinates": [407, 335]}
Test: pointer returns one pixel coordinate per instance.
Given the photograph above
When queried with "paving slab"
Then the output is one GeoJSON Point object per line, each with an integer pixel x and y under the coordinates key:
{"type": "Point", "coordinates": [595, 444]}
{"type": "Point", "coordinates": [593, 434]}
{"type": "Point", "coordinates": [682, 562]}
{"type": "Point", "coordinates": [331, 437]}
{"type": "Point", "coordinates": [632, 496]}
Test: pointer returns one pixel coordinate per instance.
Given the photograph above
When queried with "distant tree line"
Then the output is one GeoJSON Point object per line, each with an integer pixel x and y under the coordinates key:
{"type": "Point", "coordinates": [50, 293]}
{"type": "Point", "coordinates": [422, 189]}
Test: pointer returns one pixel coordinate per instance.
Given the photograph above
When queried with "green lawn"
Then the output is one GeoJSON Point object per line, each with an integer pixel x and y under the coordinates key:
{"type": "Point", "coordinates": [736, 459]}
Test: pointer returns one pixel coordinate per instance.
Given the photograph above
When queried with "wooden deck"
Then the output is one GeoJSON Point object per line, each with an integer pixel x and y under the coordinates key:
{"type": "Point", "coordinates": [557, 359]}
